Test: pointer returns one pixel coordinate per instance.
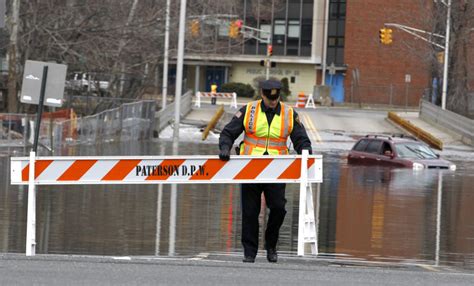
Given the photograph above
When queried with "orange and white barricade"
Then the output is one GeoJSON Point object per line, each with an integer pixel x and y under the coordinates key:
{"type": "Point", "coordinates": [303, 169]}
{"type": "Point", "coordinates": [305, 101]}
{"type": "Point", "coordinates": [310, 102]}
{"type": "Point", "coordinates": [227, 95]}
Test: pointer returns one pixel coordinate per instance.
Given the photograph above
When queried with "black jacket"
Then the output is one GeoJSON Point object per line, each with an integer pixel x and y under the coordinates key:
{"type": "Point", "coordinates": [236, 126]}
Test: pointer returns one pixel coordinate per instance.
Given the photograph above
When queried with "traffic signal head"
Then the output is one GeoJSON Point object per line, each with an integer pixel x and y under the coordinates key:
{"type": "Point", "coordinates": [388, 39]}
{"type": "Point", "coordinates": [235, 28]}
{"type": "Point", "coordinates": [385, 36]}
{"type": "Point", "coordinates": [269, 50]}
{"type": "Point", "coordinates": [195, 27]}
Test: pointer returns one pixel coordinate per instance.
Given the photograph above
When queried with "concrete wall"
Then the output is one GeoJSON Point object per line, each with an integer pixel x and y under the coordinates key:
{"type": "Point", "coordinates": [457, 125]}
{"type": "Point", "coordinates": [304, 75]}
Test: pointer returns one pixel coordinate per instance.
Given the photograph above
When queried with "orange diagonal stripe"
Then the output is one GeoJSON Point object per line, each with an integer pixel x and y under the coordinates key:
{"type": "Point", "coordinates": [253, 169]}
{"type": "Point", "coordinates": [293, 171]}
{"type": "Point", "coordinates": [77, 170]}
{"type": "Point", "coordinates": [165, 165]}
{"type": "Point", "coordinates": [209, 169]}
{"type": "Point", "coordinates": [40, 166]}
{"type": "Point", "coordinates": [120, 170]}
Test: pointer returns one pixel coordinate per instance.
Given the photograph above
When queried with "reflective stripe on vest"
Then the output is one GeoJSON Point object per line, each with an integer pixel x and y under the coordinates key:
{"type": "Point", "coordinates": [259, 137]}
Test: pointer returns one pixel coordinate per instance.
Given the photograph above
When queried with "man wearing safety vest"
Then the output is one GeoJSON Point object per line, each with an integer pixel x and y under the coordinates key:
{"type": "Point", "coordinates": [267, 124]}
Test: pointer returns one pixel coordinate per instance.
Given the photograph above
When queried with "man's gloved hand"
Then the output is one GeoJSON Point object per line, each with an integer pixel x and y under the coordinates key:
{"type": "Point", "coordinates": [224, 155]}
{"type": "Point", "coordinates": [309, 151]}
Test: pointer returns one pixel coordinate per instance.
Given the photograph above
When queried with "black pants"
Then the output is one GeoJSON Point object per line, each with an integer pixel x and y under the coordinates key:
{"type": "Point", "coordinates": [251, 200]}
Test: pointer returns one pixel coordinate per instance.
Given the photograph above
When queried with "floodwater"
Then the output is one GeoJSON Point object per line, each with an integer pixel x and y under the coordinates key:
{"type": "Point", "coordinates": [366, 213]}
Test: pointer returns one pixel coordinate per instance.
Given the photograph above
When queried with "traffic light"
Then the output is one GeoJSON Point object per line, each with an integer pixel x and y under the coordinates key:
{"type": "Point", "coordinates": [269, 50]}
{"type": "Point", "coordinates": [385, 35]}
{"type": "Point", "coordinates": [388, 40]}
{"type": "Point", "coordinates": [235, 28]}
{"type": "Point", "coordinates": [195, 28]}
{"type": "Point", "coordinates": [440, 57]}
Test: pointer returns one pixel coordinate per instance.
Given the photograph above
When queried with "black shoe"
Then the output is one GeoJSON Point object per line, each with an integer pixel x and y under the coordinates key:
{"type": "Point", "coordinates": [272, 255]}
{"type": "Point", "coordinates": [249, 259]}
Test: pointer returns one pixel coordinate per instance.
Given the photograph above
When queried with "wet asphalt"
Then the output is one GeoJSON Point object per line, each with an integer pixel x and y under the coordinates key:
{"type": "Point", "coordinates": [216, 269]}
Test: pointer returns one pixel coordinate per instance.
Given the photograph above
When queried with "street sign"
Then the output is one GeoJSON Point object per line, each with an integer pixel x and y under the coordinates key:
{"type": "Point", "coordinates": [407, 78]}
{"type": "Point", "coordinates": [332, 69]}
{"type": "Point", "coordinates": [32, 78]}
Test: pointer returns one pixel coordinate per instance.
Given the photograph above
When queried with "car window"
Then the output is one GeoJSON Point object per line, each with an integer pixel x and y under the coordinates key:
{"type": "Point", "coordinates": [374, 146]}
{"type": "Point", "coordinates": [414, 150]}
{"type": "Point", "coordinates": [386, 149]}
{"type": "Point", "coordinates": [361, 145]}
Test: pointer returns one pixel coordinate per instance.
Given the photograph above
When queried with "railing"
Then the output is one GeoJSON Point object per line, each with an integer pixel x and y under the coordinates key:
{"type": "Point", "coordinates": [461, 126]}
{"type": "Point", "coordinates": [130, 121]}
{"type": "Point", "coordinates": [392, 95]}
{"type": "Point", "coordinates": [14, 129]}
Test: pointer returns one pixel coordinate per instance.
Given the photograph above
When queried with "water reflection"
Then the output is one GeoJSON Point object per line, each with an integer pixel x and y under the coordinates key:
{"type": "Point", "coordinates": [368, 213]}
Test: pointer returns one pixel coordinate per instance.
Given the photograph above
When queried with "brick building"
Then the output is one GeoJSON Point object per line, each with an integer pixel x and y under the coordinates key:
{"type": "Point", "coordinates": [397, 73]}
{"type": "Point", "coordinates": [304, 32]}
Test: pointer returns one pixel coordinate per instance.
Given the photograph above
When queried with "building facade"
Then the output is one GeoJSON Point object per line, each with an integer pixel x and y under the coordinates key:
{"type": "Point", "coordinates": [303, 33]}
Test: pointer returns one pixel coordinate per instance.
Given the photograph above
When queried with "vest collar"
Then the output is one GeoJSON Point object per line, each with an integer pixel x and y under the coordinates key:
{"type": "Point", "coordinates": [265, 108]}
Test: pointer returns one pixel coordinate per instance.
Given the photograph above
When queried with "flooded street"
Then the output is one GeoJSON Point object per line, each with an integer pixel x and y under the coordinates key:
{"type": "Point", "coordinates": [366, 213]}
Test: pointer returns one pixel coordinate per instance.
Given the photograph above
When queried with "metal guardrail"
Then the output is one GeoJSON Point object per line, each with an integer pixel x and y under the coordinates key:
{"type": "Point", "coordinates": [165, 116]}
{"type": "Point", "coordinates": [456, 124]}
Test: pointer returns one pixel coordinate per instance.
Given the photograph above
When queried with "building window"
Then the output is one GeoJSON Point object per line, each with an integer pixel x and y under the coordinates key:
{"type": "Point", "coordinates": [280, 29]}
{"type": "Point", "coordinates": [336, 32]}
{"type": "Point", "coordinates": [293, 29]}
{"type": "Point", "coordinates": [292, 26]}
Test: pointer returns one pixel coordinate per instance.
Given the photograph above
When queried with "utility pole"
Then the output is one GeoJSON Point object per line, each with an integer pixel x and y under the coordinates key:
{"type": "Point", "coordinates": [164, 92]}
{"type": "Point", "coordinates": [12, 57]}
{"type": "Point", "coordinates": [179, 70]}
{"type": "Point", "coordinates": [446, 56]}
{"type": "Point", "coordinates": [325, 42]}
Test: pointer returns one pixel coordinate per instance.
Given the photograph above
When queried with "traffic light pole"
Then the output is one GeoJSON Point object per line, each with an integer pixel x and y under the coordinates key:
{"type": "Point", "coordinates": [164, 92]}
{"type": "Point", "coordinates": [268, 62]}
{"type": "Point", "coordinates": [446, 57]}
{"type": "Point", "coordinates": [179, 70]}
{"type": "Point", "coordinates": [416, 32]}
{"type": "Point", "coordinates": [267, 68]}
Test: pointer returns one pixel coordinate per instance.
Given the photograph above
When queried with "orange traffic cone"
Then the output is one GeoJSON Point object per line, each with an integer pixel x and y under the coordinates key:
{"type": "Point", "coordinates": [301, 100]}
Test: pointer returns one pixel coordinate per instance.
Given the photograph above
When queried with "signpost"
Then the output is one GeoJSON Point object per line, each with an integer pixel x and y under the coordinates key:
{"type": "Point", "coordinates": [38, 88]}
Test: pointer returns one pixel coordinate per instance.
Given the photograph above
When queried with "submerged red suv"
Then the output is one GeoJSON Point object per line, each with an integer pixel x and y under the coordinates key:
{"type": "Point", "coordinates": [396, 151]}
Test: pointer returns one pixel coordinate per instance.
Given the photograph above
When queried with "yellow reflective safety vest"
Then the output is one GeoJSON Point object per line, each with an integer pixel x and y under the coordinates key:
{"type": "Point", "coordinates": [260, 136]}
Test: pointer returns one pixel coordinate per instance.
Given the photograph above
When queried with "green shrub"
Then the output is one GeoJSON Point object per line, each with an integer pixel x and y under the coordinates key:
{"type": "Point", "coordinates": [285, 89]}
{"type": "Point", "coordinates": [242, 89]}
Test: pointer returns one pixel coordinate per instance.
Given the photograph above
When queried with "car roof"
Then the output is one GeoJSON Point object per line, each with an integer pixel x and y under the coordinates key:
{"type": "Point", "coordinates": [396, 138]}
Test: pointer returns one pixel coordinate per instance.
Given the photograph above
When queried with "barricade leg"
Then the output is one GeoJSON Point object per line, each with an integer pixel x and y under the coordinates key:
{"type": "Point", "coordinates": [198, 100]}
{"type": "Point", "coordinates": [233, 104]}
{"type": "Point", "coordinates": [31, 212]}
{"type": "Point", "coordinates": [310, 102]}
{"type": "Point", "coordinates": [306, 221]}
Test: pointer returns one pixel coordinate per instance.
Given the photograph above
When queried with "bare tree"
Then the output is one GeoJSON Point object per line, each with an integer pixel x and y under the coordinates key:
{"type": "Point", "coordinates": [119, 40]}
